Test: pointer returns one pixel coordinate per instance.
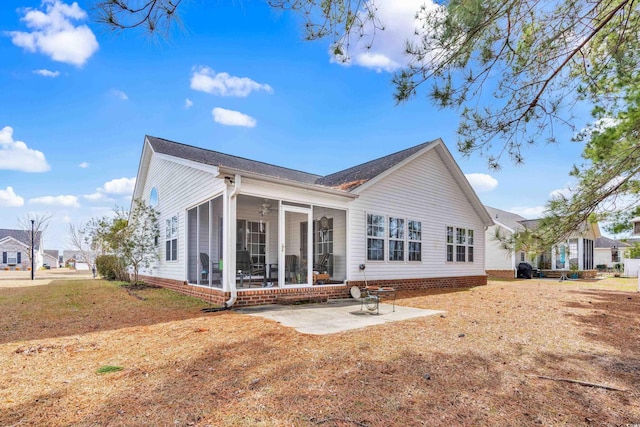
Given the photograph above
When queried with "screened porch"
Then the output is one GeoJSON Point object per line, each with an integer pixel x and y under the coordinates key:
{"type": "Point", "coordinates": [277, 244]}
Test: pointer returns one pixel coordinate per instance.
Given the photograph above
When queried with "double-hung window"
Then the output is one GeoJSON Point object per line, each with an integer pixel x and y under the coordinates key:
{"type": "Point", "coordinates": [449, 244]}
{"type": "Point", "coordinates": [171, 239]}
{"type": "Point", "coordinates": [396, 239]}
{"type": "Point", "coordinates": [459, 245]}
{"type": "Point", "coordinates": [461, 240]}
{"type": "Point", "coordinates": [415, 240]}
{"type": "Point", "coordinates": [375, 237]}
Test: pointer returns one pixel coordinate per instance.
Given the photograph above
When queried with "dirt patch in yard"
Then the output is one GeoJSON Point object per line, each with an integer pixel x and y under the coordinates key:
{"type": "Point", "coordinates": [477, 365]}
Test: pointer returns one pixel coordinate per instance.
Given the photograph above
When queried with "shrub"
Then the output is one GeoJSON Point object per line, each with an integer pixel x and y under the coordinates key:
{"type": "Point", "coordinates": [110, 268]}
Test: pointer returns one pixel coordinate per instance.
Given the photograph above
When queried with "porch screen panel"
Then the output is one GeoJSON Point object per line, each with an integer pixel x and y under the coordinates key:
{"type": "Point", "coordinates": [192, 246]}
{"type": "Point", "coordinates": [587, 258]}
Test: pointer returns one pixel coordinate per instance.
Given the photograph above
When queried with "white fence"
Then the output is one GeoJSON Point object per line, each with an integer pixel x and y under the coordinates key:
{"type": "Point", "coordinates": [631, 267]}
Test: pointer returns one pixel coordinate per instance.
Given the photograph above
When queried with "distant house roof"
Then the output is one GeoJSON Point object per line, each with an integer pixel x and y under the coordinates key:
{"type": "Point", "coordinates": [346, 180]}
{"type": "Point", "coordinates": [605, 242]}
{"type": "Point", "coordinates": [52, 252]}
{"type": "Point", "coordinates": [509, 219]}
{"type": "Point", "coordinates": [22, 236]}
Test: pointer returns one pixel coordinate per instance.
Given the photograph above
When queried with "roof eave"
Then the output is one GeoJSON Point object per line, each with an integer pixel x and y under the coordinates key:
{"type": "Point", "coordinates": [225, 171]}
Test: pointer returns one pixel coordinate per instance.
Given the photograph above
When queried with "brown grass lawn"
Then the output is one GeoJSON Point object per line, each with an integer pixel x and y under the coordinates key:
{"type": "Point", "coordinates": [476, 366]}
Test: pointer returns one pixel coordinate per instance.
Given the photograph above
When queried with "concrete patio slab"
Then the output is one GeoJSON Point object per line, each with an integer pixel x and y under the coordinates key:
{"type": "Point", "coordinates": [333, 316]}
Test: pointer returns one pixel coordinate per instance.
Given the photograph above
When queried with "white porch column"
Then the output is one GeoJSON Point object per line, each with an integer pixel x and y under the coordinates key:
{"type": "Point", "coordinates": [553, 257]}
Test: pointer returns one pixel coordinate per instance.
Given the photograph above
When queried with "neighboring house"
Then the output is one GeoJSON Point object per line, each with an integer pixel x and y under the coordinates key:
{"type": "Point", "coordinates": [578, 250]}
{"type": "Point", "coordinates": [14, 248]}
{"type": "Point", "coordinates": [501, 263]}
{"type": "Point", "coordinates": [75, 259]}
{"type": "Point", "coordinates": [609, 252]}
{"type": "Point", "coordinates": [51, 258]}
{"type": "Point", "coordinates": [230, 224]}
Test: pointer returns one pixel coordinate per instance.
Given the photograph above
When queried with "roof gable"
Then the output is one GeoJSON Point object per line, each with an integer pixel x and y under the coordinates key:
{"type": "Point", "coordinates": [22, 236]}
{"type": "Point", "coordinates": [353, 177]}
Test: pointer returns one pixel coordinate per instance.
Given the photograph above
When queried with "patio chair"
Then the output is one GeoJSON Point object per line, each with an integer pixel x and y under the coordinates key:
{"type": "Point", "coordinates": [209, 268]}
{"type": "Point", "coordinates": [204, 261]}
{"type": "Point", "coordinates": [321, 266]}
{"type": "Point", "coordinates": [246, 266]}
{"type": "Point", "coordinates": [366, 300]}
{"type": "Point", "coordinates": [291, 268]}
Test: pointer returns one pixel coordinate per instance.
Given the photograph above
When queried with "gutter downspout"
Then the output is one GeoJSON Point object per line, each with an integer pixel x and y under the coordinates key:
{"type": "Point", "coordinates": [231, 258]}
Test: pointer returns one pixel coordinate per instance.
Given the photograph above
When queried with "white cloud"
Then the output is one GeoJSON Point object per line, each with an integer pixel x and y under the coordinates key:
{"type": "Point", "coordinates": [481, 182]}
{"type": "Point", "coordinates": [529, 212]}
{"type": "Point", "coordinates": [206, 80]}
{"type": "Point", "coordinates": [561, 192]}
{"type": "Point", "coordinates": [95, 196]}
{"type": "Point", "coordinates": [8, 198]}
{"type": "Point", "coordinates": [47, 73]}
{"type": "Point", "coordinates": [116, 93]}
{"type": "Point", "coordinates": [119, 186]}
{"type": "Point", "coordinates": [188, 103]}
{"type": "Point", "coordinates": [69, 201]}
{"type": "Point", "coordinates": [384, 49]}
{"type": "Point", "coordinates": [232, 118]}
{"type": "Point", "coordinates": [15, 155]}
{"type": "Point", "coordinates": [83, 165]}
{"type": "Point", "coordinates": [54, 34]}
{"type": "Point", "coordinates": [116, 187]}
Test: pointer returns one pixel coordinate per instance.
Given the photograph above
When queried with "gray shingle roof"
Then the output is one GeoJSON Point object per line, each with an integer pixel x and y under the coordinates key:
{"type": "Point", "coordinates": [52, 252]}
{"type": "Point", "coordinates": [215, 158]}
{"type": "Point", "coordinates": [605, 242]}
{"type": "Point", "coordinates": [347, 179]}
{"type": "Point", "coordinates": [21, 236]}
{"type": "Point", "coordinates": [511, 220]}
{"type": "Point", "coordinates": [358, 175]}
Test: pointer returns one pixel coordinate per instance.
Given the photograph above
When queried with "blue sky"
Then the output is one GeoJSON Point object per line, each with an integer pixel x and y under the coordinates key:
{"type": "Point", "coordinates": [78, 99]}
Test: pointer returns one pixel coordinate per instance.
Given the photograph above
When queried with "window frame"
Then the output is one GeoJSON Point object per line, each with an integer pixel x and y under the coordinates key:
{"type": "Point", "coordinates": [372, 234]}
{"type": "Point", "coordinates": [171, 239]}
{"type": "Point", "coordinates": [414, 241]}
{"type": "Point", "coordinates": [397, 235]}
{"type": "Point", "coordinates": [459, 245]}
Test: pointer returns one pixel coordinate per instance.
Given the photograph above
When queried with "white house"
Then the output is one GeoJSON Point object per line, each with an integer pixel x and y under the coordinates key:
{"type": "Point", "coordinates": [500, 262]}
{"type": "Point", "coordinates": [50, 258]}
{"type": "Point", "coordinates": [243, 232]}
{"type": "Point", "coordinates": [578, 250]}
{"type": "Point", "coordinates": [609, 252]}
{"type": "Point", "coordinates": [15, 249]}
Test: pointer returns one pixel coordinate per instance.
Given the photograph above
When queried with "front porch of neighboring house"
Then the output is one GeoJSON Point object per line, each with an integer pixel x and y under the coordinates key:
{"type": "Point", "coordinates": [265, 243]}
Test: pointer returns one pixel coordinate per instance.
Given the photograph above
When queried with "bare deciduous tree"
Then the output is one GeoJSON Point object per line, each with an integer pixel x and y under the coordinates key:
{"type": "Point", "coordinates": [35, 230]}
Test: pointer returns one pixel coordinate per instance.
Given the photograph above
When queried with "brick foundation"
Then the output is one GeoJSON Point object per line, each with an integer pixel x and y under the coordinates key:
{"type": "Point", "coordinates": [263, 296]}
{"type": "Point", "coordinates": [501, 274]}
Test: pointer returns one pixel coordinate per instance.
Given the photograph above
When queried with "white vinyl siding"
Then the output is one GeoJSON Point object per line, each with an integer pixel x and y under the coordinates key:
{"type": "Point", "coordinates": [180, 187]}
{"type": "Point", "coordinates": [422, 190]}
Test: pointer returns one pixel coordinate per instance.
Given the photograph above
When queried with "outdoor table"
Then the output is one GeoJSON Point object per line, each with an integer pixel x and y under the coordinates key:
{"type": "Point", "coordinates": [563, 275]}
